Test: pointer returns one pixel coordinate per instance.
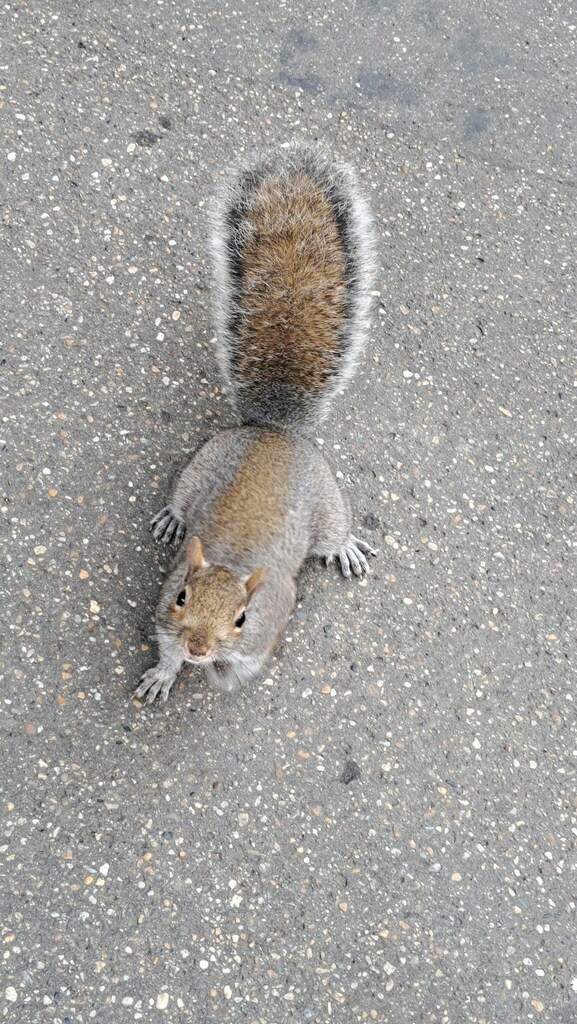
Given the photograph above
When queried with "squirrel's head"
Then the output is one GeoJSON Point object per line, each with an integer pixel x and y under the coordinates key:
{"type": "Point", "coordinates": [208, 614]}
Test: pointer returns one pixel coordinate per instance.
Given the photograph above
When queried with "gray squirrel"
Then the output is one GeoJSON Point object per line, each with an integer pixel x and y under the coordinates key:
{"type": "Point", "coordinates": [293, 252]}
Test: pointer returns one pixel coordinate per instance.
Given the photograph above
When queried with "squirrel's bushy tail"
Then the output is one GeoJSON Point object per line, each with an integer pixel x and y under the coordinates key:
{"type": "Point", "coordinates": [294, 252]}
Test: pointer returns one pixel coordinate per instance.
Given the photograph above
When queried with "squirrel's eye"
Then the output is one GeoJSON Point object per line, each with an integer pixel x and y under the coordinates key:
{"type": "Point", "coordinates": [181, 599]}
{"type": "Point", "coordinates": [240, 621]}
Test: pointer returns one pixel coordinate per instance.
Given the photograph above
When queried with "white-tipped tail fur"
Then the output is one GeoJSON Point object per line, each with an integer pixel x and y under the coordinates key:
{"type": "Point", "coordinates": [294, 262]}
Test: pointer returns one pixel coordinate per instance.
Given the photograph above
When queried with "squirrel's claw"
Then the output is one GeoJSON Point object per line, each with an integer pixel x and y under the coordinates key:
{"type": "Point", "coordinates": [345, 565]}
{"type": "Point", "coordinates": [153, 683]}
{"type": "Point", "coordinates": [363, 546]}
{"type": "Point", "coordinates": [167, 527]}
{"type": "Point", "coordinates": [352, 557]}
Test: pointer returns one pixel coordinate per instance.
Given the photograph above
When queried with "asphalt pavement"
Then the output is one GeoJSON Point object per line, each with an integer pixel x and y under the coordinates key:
{"type": "Point", "coordinates": [384, 827]}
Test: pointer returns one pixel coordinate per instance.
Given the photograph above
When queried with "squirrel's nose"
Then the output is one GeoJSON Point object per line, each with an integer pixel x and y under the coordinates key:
{"type": "Point", "coordinates": [197, 648]}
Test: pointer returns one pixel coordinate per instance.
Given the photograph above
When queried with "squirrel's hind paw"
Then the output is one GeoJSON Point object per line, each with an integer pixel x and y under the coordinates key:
{"type": "Point", "coordinates": [352, 557]}
{"type": "Point", "coordinates": [167, 527]}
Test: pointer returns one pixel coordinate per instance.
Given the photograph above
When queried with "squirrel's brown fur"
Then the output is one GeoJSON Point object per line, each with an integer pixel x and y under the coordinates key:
{"type": "Point", "coordinates": [293, 285]}
{"type": "Point", "coordinates": [256, 497]}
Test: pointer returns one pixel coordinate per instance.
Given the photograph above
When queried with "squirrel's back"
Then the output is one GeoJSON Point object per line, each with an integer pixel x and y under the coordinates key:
{"type": "Point", "coordinates": [293, 249]}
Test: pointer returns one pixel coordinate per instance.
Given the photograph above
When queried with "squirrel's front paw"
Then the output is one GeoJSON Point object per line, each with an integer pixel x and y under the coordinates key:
{"type": "Point", "coordinates": [352, 557]}
{"type": "Point", "coordinates": [155, 681]}
{"type": "Point", "coordinates": [167, 526]}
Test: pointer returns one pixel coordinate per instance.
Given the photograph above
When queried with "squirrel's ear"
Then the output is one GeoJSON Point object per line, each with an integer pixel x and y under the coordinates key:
{"type": "Point", "coordinates": [194, 557]}
{"type": "Point", "coordinates": [253, 582]}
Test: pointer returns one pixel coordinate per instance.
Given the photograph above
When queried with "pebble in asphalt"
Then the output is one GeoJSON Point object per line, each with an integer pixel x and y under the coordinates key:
{"type": "Point", "coordinates": [383, 828]}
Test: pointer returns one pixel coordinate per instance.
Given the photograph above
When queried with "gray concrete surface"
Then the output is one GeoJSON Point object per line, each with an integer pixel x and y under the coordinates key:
{"type": "Point", "coordinates": [383, 829]}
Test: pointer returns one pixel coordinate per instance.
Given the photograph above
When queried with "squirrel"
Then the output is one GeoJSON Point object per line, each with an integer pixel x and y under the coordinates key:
{"type": "Point", "coordinates": [294, 254]}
